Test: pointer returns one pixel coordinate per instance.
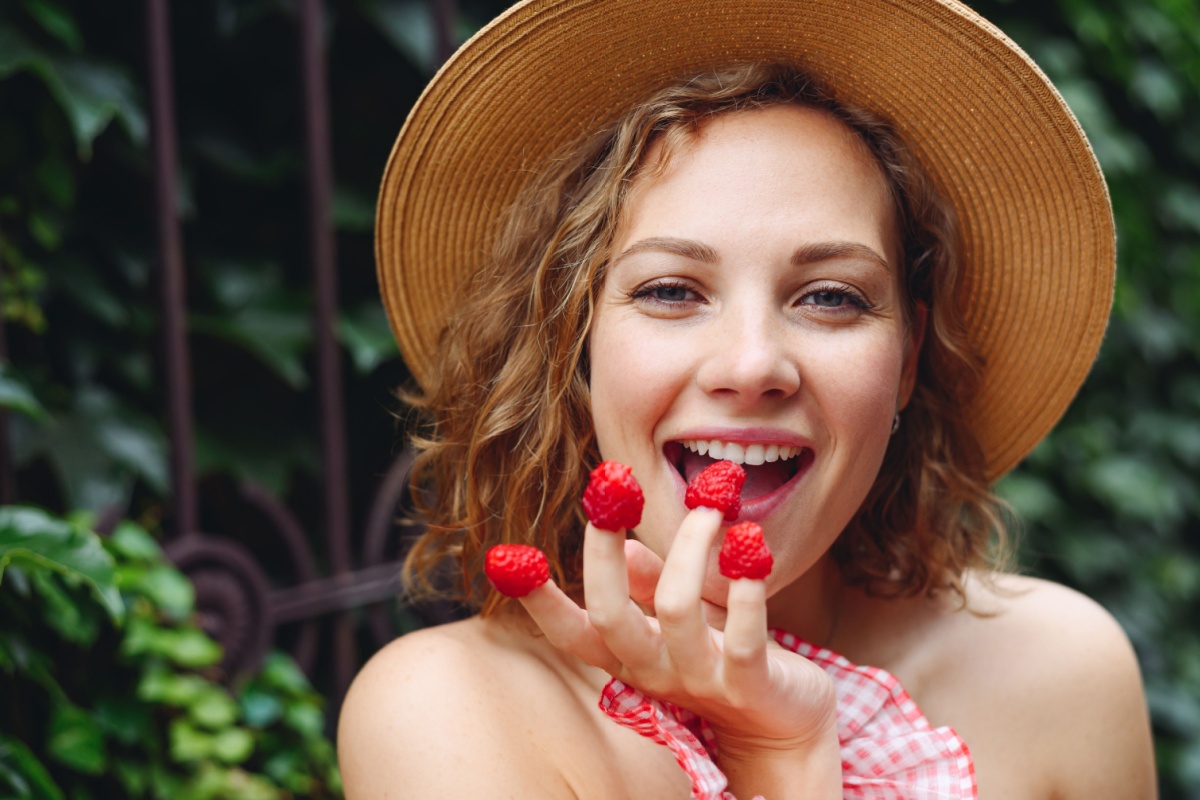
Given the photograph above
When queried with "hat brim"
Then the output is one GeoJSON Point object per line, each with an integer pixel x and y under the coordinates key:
{"type": "Point", "coordinates": [994, 134]}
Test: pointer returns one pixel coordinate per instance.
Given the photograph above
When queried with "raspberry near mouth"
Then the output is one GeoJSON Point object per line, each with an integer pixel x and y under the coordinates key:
{"type": "Point", "coordinates": [761, 479]}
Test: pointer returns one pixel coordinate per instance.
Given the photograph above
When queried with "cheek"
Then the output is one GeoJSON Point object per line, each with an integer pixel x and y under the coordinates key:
{"type": "Point", "coordinates": [858, 391]}
{"type": "Point", "coordinates": [627, 384]}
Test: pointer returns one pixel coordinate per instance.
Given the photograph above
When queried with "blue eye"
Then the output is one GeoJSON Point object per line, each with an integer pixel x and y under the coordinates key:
{"type": "Point", "coordinates": [670, 294]}
{"type": "Point", "coordinates": [836, 299]}
{"type": "Point", "coordinates": [666, 294]}
{"type": "Point", "coordinates": [829, 299]}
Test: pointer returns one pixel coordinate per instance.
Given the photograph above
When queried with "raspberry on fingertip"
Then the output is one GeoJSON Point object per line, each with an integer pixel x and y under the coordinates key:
{"type": "Point", "coordinates": [718, 486]}
{"type": "Point", "coordinates": [516, 569]}
{"type": "Point", "coordinates": [613, 499]}
{"type": "Point", "coordinates": [744, 553]}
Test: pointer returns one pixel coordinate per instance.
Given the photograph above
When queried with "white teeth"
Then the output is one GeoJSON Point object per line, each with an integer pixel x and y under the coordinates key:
{"type": "Point", "coordinates": [752, 454]}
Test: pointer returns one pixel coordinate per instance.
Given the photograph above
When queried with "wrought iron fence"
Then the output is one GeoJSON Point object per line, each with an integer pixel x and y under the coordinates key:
{"type": "Point", "coordinates": [237, 603]}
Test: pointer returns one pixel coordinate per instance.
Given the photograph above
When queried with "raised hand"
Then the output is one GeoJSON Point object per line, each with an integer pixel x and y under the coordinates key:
{"type": "Point", "coordinates": [773, 711]}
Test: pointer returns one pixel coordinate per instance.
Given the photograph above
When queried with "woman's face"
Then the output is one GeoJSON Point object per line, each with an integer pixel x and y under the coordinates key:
{"type": "Point", "coordinates": [752, 311]}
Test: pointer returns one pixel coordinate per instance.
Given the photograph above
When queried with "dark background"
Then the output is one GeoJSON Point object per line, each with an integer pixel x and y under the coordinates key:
{"type": "Point", "coordinates": [1111, 499]}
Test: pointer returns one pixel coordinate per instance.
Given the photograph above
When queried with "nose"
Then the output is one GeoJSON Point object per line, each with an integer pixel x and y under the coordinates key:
{"type": "Point", "coordinates": [749, 359]}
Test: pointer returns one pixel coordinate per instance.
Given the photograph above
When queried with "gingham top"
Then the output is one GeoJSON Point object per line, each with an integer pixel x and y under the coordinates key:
{"type": "Point", "coordinates": [889, 751]}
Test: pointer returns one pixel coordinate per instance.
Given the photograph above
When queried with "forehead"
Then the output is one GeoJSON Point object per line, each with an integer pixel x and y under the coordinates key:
{"type": "Point", "coordinates": [795, 166]}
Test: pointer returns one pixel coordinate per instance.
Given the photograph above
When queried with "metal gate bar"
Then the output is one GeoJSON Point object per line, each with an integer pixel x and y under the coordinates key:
{"type": "Point", "coordinates": [231, 587]}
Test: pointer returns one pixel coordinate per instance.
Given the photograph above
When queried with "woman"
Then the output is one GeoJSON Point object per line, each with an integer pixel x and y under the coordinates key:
{"type": "Point", "coordinates": [866, 253]}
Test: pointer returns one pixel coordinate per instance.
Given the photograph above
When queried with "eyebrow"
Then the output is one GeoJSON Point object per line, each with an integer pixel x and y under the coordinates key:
{"type": "Point", "coordinates": [687, 248]}
{"type": "Point", "coordinates": [827, 251]}
{"type": "Point", "coordinates": [804, 254]}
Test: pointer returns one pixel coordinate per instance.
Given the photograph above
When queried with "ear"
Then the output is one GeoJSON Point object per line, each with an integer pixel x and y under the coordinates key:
{"type": "Point", "coordinates": [912, 353]}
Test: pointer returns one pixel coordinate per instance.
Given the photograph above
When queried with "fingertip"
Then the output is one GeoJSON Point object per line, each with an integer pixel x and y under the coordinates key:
{"type": "Point", "coordinates": [543, 595]}
{"type": "Point", "coordinates": [747, 591]}
{"type": "Point", "coordinates": [704, 512]}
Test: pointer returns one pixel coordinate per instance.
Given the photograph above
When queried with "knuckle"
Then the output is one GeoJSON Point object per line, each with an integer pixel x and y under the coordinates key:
{"type": "Point", "coordinates": [671, 608]}
{"type": "Point", "coordinates": [604, 618]}
{"type": "Point", "coordinates": [742, 655]}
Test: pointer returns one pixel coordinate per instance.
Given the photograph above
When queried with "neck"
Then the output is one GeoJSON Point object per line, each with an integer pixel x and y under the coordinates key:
{"type": "Point", "coordinates": [810, 607]}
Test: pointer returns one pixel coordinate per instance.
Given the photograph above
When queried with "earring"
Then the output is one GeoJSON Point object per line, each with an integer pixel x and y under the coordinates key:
{"type": "Point", "coordinates": [896, 422]}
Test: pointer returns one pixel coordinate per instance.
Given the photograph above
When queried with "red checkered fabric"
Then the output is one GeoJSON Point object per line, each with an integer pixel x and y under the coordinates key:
{"type": "Point", "coordinates": [889, 750]}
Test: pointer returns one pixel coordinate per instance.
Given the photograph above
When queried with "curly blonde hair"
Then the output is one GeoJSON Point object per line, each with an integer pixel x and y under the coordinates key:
{"type": "Point", "coordinates": [507, 440]}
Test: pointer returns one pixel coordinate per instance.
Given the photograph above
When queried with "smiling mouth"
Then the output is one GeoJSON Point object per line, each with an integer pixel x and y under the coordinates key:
{"type": "Point", "coordinates": [768, 467]}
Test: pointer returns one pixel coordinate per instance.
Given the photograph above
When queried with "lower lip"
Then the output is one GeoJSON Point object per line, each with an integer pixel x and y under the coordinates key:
{"type": "Point", "coordinates": [760, 508]}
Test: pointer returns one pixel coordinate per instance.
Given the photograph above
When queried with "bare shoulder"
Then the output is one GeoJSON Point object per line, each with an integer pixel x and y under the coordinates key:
{"type": "Point", "coordinates": [1044, 676]}
{"type": "Point", "coordinates": [425, 715]}
{"type": "Point", "coordinates": [1066, 627]}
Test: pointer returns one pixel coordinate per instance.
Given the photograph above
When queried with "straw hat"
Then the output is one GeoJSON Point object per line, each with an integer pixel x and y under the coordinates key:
{"type": "Point", "coordinates": [1038, 236]}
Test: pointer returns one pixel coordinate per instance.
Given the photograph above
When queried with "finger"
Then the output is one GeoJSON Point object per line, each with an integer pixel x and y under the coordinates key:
{"type": "Point", "coordinates": [677, 600]}
{"type": "Point", "coordinates": [714, 615]}
{"type": "Point", "coordinates": [568, 628]}
{"type": "Point", "coordinates": [644, 567]}
{"type": "Point", "coordinates": [745, 644]}
{"type": "Point", "coordinates": [611, 611]}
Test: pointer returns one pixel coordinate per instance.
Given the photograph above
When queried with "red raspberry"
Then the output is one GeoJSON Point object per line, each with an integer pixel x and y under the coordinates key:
{"type": "Point", "coordinates": [718, 486]}
{"type": "Point", "coordinates": [516, 569]}
{"type": "Point", "coordinates": [744, 554]}
{"type": "Point", "coordinates": [613, 499]}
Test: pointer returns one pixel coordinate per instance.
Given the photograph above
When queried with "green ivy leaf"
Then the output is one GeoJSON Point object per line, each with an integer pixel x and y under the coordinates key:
{"type": "Point", "coordinates": [125, 719]}
{"type": "Point", "coordinates": [83, 282]}
{"type": "Point", "coordinates": [134, 777]}
{"type": "Point", "coordinates": [233, 746]}
{"type": "Point", "coordinates": [28, 661]}
{"type": "Point", "coordinates": [1031, 496]}
{"type": "Point", "coordinates": [132, 542]}
{"type": "Point", "coordinates": [213, 709]}
{"type": "Point", "coordinates": [98, 447]}
{"type": "Point", "coordinates": [64, 613]}
{"type": "Point", "coordinates": [56, 22]}
{"type": "Point", "coordinates": [90, 92]}
{"type": "Point", "coordinates": [408, 25]}
{"type": "Point", "coordinates": [31, 537]}
{"type": "Point", "coordinates": [307, 720]}
{"type": "Point", "coordinates": [93, 94]}
{"type": "Point", "coordinates": [75, 739]}
{"type": "Point", "coordinates": [191, 647]}
{"type": "Point", "coordinates": [276, 337]}
{"type": "Point", "coordinates": [188, 743]}
{"type": "Point", "coordinates": [165, 586]}
{"type": "Point", "coordinates": [16, 394]}
{"type": "Point", "coordinates": [1135, 487]}
{"type": "Point", "coordinates": [26, 777]}
{"type": "Point", "coordinates": [353, 211]}
{"type": "Point", "coordinates": [260, 708]}
{"type": "Point", "coordinates": [188, 647]}
{"type": "Point", "coordinates": [368, 337]}
{"type": "Point", "coordinates": [281, 673]}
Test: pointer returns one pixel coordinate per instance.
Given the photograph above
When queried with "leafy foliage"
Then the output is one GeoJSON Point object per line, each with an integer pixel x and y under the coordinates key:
{"type": "Point", "coordinates": [111, 688]}
{"type": "Point", "coordinates": [1112, 497]}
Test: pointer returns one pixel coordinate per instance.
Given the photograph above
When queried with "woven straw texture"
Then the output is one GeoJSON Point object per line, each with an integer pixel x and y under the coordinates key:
{"type": "Point", "coordinates": [989, 127]}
